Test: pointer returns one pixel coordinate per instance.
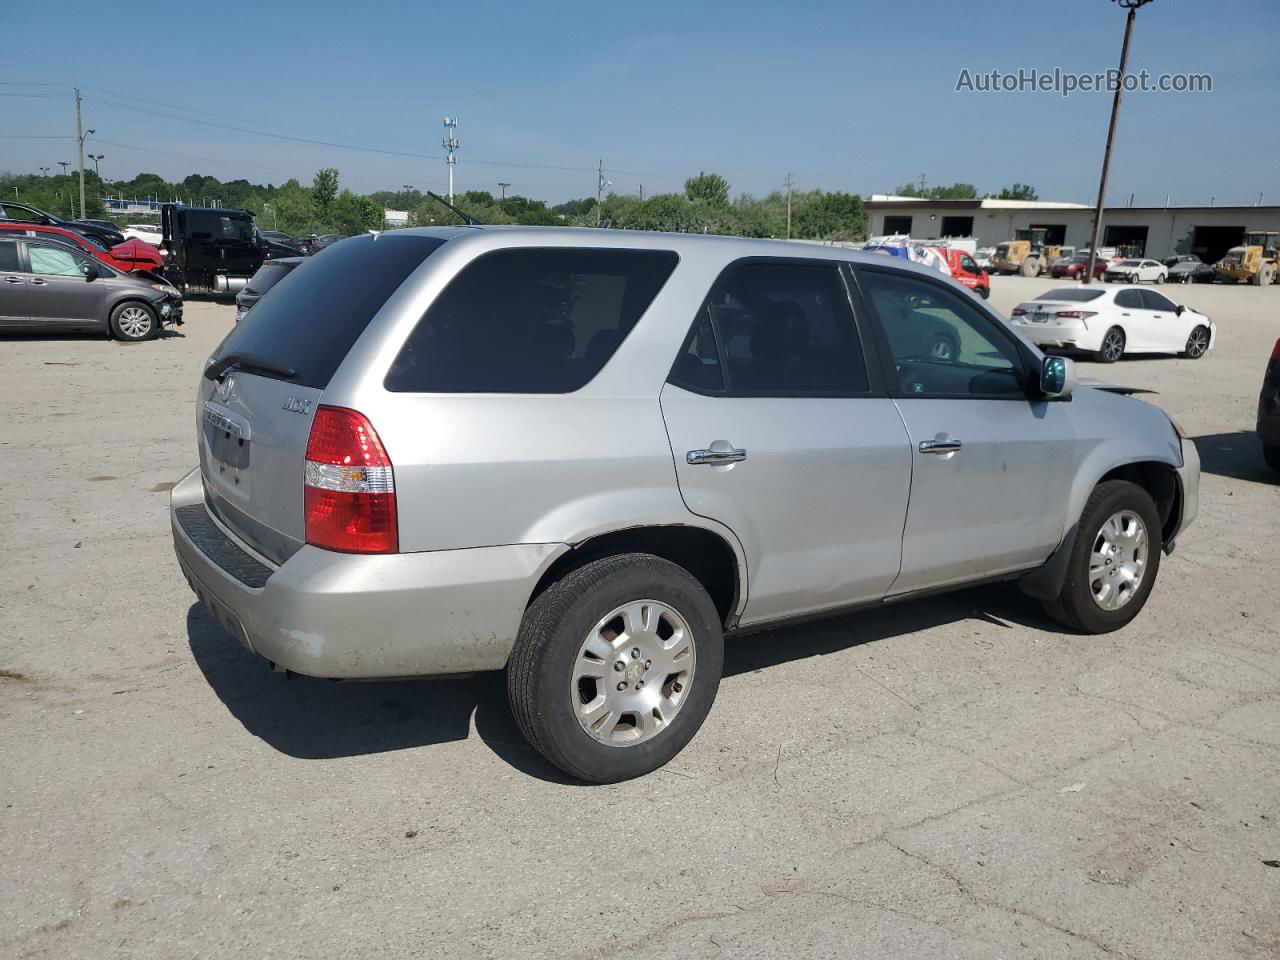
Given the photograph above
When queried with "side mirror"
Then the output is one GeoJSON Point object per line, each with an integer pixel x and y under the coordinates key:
{"type": "Point", "coordinates": [1057, 377]}
{"type": "Point", "coordinates": [90, 271]}
{"type": "Point", "coordinates": [1181, 310]}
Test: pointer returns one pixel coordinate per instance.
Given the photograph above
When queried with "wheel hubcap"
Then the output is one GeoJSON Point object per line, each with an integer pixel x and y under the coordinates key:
{"type": "Point", "coordinates": [1119, 560]}
{"type": "Point", "coordinates": [135, 321]}
{"type": "Point", "coordinates": [1199, 343]}
{"type": "Point", "coordinates": [1113, 347]}
{"type": "Point", "coordinates": [632, 673]}
{"type": "Point", "coordinates": [941, 350]}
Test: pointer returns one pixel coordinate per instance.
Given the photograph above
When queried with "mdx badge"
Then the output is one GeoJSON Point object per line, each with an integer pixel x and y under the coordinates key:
{"type": "Point", "coordinates": [297, 405]}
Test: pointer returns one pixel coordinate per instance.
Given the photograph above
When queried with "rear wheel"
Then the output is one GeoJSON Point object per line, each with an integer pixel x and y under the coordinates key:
{"type": "Point", "coordinates": [1113, 562]}
{"type": "Point", "coordinates": [983, 292]}
{"type": "Point", "coordinates": [1112, 346]}
{"type": "Point", "coordinates": [134, 322]}
{"type": "Point", "coordinates": [616, 667]}
{"type": "Point", "coordinates": [1197, 343]}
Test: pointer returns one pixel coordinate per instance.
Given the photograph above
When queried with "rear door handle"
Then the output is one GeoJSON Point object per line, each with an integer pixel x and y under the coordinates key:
{"type": "Point", "coordinates": [39, 283]}
{"type": "Point", "coordinates": [940, 446]}
{"type": "Point", "coordinates": [713, 457]}
{"type": "Point", "coordinates": [14, 280]}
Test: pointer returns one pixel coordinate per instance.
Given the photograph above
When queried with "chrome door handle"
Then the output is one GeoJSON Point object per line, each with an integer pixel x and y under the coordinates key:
{"type": "Point", "coordinates": [713, 457]}
{"type": "Point", "coordinates": [14, 280]}
{"type": "Point", "coordinates": [1124, 314]}
{"type": "Point", "coordinates": [39, 283]}
{"type": "Point", "coordinates": [940, 446]}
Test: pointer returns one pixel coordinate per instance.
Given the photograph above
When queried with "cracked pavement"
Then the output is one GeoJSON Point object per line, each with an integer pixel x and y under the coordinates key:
{"type": "Point", "coordinates": [949, 777]}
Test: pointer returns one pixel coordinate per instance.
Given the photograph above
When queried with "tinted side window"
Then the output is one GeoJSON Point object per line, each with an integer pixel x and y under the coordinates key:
{"type": "Point", "coordinates": [941, 344]}
{"type": "Point", "coordinates": [1130, 299]}
{"type": "Point", "coordinates": [529, 320]}
{"type": "Point", "coordinates": [318, 311]}
{"type": "Point", "coordinates": [1157, 301]}
{"type": "Point", "coordinates": [786, 329]}
{"type": "Point", "coordinates": [698, 366]}
{"type": "Point", "coordinates": [8, 255]}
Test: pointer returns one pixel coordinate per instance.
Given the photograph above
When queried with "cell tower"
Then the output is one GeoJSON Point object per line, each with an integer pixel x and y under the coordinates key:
{"type": "Point", "coordinates": [450, 145]}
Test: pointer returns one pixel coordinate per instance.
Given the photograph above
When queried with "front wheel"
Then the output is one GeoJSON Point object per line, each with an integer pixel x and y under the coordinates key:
{"type": "Point", "coordinates": [1114, 560]}
{"type": "Point", "coordinates": [134, 322]}
{"type": "Point", "coordinates": [1197, 343]}
{"type": "Point", "coordinates": [983, 292]}
{"type": "Point", "coordinates": [1112, 346]}
{"type": "Point", "coordinates": [1271, 454]}
{"type": "Point", "coordinates": [1159, 278]}
{"type": "Point", "coordinates": [616, 667]}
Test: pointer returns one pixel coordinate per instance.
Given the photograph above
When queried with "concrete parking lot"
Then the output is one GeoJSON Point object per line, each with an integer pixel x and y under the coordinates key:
{"type": "Point", "coordinates": [950, 777]}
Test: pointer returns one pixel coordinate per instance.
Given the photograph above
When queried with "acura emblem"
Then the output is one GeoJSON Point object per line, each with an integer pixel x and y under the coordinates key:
{"type": "Point", "coordinates": [224, 388]}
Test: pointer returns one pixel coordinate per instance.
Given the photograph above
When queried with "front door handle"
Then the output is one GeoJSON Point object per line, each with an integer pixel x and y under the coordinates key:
{"type": "Point", "coordinates": [940, 446]}
{"type": "Point", "coordinates": [14, 280]}
{"type": "Point", "coordinates": [39, 283]}
{"type": "Point", "coordinates": [714, 457]}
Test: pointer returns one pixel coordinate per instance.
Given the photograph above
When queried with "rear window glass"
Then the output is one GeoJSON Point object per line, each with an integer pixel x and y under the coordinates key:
{"type": "Point", "coordinates": [315, 315]}
{"type": "Point", "coordinates": [268, 275]}
{"type": "Point", "coordinates": [1071, 293]}
{"type": "Point", "coordinates": [8, 255]}
{"type": "Point", "coordinates": [529, 320]}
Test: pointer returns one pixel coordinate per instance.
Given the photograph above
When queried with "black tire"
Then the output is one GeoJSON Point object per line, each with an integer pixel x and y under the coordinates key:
{"type": "Point", "coordinates": [1159, 278]}
{"type": "Point", "coordinates": [125, 325]}
{"type": "Point", "coordinates": [541, 669]}
{"type": "Point", "coordinates": [983, 292]}
{"type": "Point", "coordinates": [1271, 454]}
{"type": "Point", "coordinates": [1106, 354]}
{"type": "Point", "coordinates": [1075, 605]}
{"type": "Point", "coordinates": [1197, 343]}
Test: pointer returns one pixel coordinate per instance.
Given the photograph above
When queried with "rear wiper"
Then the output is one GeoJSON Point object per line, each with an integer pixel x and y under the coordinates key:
{"type": "Point", "coordinates": [247, 361]}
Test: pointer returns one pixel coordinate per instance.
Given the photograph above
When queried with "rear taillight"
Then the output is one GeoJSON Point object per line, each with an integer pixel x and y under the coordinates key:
{"type": "Point", "coordinates": [1018, 312]}
{"type": "Point", "coordinates": [350, 495]}
{"type": "Point", "coordinates": [1075, 314]}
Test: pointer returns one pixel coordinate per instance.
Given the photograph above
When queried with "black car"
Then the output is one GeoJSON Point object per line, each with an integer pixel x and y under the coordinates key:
{"type": "Point", "coordinates": [20, 212]}
{"type": "Point", "coordinates": [1269, 410]}
{"type": "Point", "coordinates": [281, 245]}
{"type": "Point", "coordinates": [46, 285]}
{"type": "Point", "coordinates": [1188, 268]}
{"type": "Point", "coordinates": [314, 244]}
{"type": "Point", "coordinates": [268, 275]}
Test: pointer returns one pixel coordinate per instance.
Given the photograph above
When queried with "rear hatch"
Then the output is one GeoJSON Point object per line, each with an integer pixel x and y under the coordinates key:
{"type": "Point", "coordinates": [270, 373]}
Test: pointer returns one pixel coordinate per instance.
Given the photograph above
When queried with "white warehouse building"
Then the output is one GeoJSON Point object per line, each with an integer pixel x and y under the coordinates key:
{"type": "Point", "coordinates": [1156, 232]}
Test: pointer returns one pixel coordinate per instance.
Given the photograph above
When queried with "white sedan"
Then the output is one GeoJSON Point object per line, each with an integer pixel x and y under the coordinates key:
{"type": "Point", "coordinates": [1109, 321]}
{"type": "Point", "coordinates": [146, 232]}
{"type": "Point", "coordinates": [1137, 271]}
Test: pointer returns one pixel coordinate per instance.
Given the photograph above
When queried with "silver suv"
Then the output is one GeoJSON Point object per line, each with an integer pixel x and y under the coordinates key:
{"type": "Point", "coordinates": [588, 456]}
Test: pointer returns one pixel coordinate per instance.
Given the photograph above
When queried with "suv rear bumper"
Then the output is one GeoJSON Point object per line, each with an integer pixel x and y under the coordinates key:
{"type": "Point", "coordinates": [354, 616]}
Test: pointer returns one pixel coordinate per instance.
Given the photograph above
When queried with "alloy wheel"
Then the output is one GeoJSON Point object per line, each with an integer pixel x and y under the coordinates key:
{"type": "Point", "coordinates": [633, 673]}
{"type": "Point", "coordinates": [1113, 345]}
{"type": "Point", "coordinates": [135, 322]}
{"type": "Point", "coordinates": [1118, 562]}
{"type": "Point", "coordinates": [1197, 343]}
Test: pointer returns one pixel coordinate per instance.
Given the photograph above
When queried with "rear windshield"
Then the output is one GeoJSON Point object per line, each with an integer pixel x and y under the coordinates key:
{"type": "Point", "coordinates": [320, 309]}
{"type": "Point", "coordinates": [1071, 293]}
{"type": "Point", "coordinates": [268, 275]}
{"type": "Point", "coordinates": [529, 320]}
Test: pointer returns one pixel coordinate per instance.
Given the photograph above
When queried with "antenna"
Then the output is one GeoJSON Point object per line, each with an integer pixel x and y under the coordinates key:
{"type": "Point", "coordinates": [467, 218]}
{"type": "Point", "coordinates": [450, 144]}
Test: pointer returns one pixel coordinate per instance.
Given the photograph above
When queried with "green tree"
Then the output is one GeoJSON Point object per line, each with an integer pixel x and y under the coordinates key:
{"type": "Point", "coordinates": [324, 190]}
{"type": "Point", "coordinates": [956, 191]}
{"type": "Point", "coordinates": [709, 188]}
{"type": "Point", "coordinates": [1019, 191]}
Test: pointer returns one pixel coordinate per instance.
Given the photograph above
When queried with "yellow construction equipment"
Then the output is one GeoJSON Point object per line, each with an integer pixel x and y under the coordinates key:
{"type": "Point", "coordinates": [1257, 260]}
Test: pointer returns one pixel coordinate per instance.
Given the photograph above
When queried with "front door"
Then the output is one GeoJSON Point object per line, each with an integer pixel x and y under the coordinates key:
{"type": "Point", "coordinates": [59, 290]}
{"type": "Point", "coordinates": [1168, 330]}
{"type": "Point", "coordinates": [777, 433]}
{"type": "Point", "coordinates": [992, 468]}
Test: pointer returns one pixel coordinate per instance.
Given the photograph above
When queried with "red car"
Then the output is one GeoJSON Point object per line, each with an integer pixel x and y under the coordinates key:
{"type": "Point", "coordinates": [129, 257]}
{"type": "Point", "coordinates": [965, 270]}
{"type": "Point", "coordinates": [1071, 269]}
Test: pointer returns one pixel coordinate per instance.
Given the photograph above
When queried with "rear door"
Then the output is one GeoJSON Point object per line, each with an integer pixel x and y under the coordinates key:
{"type": "Point", "coordinates": [1135, 318]}
{"type": "Point", "coordinates": [780, 432]}
{"type": "Point", "coordinates": [15, 307]}
{"type": "Point", "coordinates": [1169, 331]}
{"type": "Point", "coordinates": [255, 419]}
{"type": "Point", "coordinates": [991, 468]}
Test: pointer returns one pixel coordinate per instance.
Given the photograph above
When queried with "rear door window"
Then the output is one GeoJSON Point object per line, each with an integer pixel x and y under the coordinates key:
{"type": "Point", "coordinates": [1130, 300]}
{"type": "Point", "coordinates": [321, 308]}
{"type": "Point", "coordinates": [9, 256]}
{"type": "Point", "coordinates": [529, 320]}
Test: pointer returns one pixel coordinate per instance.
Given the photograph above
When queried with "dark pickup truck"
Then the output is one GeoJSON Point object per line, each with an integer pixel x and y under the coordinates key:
{"type": "Point", "coordinates": [210, 251]}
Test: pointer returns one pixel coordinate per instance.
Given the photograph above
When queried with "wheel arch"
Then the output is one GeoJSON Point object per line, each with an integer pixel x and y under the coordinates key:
{"type": "Point", "coordinates": [710, 557]}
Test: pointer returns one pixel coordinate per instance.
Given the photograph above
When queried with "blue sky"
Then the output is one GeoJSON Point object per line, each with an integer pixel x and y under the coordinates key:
{"type": "Point", "coordinates": [854, 96]}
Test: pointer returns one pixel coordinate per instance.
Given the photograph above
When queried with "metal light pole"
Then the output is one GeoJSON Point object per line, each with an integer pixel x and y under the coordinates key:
{"type": "Point", "coordinates": [95, 157]}
{"type": "Point", "coordinates": [64, 164]}
{"type": "Point", "coordinates": [502, 185]}
{"type": "Point", "coordinates": [1132, 7]}
{"type": "Point", "coordinates": [44, 171]}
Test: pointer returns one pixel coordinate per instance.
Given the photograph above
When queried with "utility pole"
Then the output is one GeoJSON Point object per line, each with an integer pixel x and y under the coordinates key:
{"type": "Point", "coordinates": [450, 144]}
{"type": "Point", "coordinates": [788, 182]}
{"type": "Point", "coordinates": [1132, 7]}
{"type": "Point", "coordinates": [601, 183]}
{"type": "Point", "coordinates": [502, 185]}
{"type": "Point", "coordinates": [642, 193]}
{"type": "Point", "coordinates": [80, 136]}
